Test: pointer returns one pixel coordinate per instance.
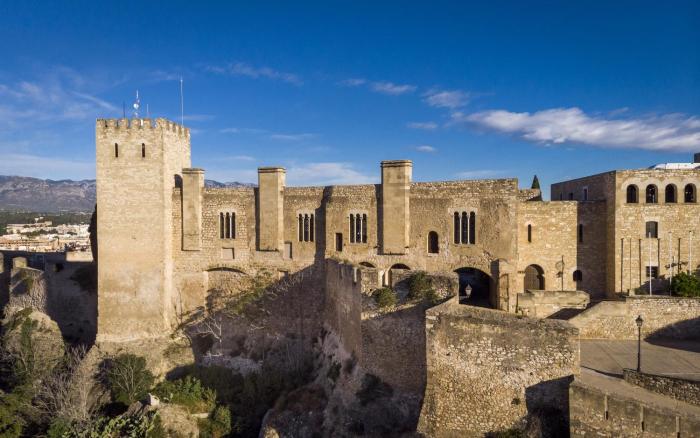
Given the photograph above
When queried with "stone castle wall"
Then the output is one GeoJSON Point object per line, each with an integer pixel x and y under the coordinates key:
{"type": "Point", "coordinates": [680, 389]}
{"type": "Point", "coordinates": [487, 370]}
{"type": "Point", "coordinates": [664, 317]}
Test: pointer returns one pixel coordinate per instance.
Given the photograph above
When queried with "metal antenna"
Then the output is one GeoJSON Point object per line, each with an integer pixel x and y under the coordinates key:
{"type": "Point", "coordinates": [182, 105]}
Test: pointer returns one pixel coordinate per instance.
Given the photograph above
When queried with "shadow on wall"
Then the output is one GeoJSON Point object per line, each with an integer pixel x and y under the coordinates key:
{"type": "Point", "coordinates": [548, 407]}
{"type": "Point", "coordinates": [687, 330]}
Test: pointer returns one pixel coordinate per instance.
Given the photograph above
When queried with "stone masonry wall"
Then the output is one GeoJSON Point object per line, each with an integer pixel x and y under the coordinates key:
{"type": "Point", "coordinates": [487, 370]}
{"type": "Point", "coordinates": [664, 317]}
{"type": "Point", "coordinates": [680, 389]}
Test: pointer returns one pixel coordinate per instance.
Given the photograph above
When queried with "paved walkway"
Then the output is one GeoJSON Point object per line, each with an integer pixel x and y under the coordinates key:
{"type": "Point", "coordinates": [671, 358]}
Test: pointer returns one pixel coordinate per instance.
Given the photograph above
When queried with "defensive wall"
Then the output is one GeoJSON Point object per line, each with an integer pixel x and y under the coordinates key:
{"type": "Point", "coordinates": [607, 407]}
{"type": "Point", "coordinates": [487, 370]}
{"type": "Point", "coordinates": [681, 389]}
{"type": "Point", "coordinates": [663, 316]}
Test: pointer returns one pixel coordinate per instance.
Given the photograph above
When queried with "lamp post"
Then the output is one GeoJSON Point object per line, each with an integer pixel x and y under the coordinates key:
{"type": "Point", "coordinates": [468, 291]}
{"type": "Point", "coordinates": [639, 322]}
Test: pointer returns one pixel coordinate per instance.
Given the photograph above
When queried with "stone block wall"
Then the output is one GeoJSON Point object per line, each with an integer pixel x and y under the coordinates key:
{"type": "Point", "coordinates": [680, 389]}
{"type": "Point", "coordinates": [664, 317]}
{"type": "Point", "coordinates": [488, 370]}
{"type": "Point", "coordinates": [541, 304]}
{"type": "Point", "coordinates": [611, 409]}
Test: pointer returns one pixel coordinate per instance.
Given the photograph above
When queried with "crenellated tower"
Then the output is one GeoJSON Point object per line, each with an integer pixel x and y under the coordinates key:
{"type": "Point", "coordinates": [139, 161]}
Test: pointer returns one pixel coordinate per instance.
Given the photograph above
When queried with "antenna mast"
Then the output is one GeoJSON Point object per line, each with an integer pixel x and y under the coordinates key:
{"type": "Point", "coordinates": [182, 105]}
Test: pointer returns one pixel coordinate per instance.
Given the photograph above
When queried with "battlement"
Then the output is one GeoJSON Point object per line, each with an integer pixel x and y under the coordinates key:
{"type": "Point", "coordinates": [142, 124]}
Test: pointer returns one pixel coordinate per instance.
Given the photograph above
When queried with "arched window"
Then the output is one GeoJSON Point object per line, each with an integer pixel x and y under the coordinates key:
{"type": "Point", "coordinates": [578, 276]}
{"type": "Point", "coordinates": [433, 244]}
{"type": "Point", "coordinates": [358, 228]}
{"type": "Point", "coordinates": [529, 233]}
{"type": "Point", "coordinates": [652, 195]}
{"type": "Point", "coordinates": [306, 227]}
{"type": "Point", "coordinates": [670, 194]}
{"type": "Point", "coordinates": [227, 225]}
{"type": "Point", "coordinates": [364, 228]}
{"type": "Point", "coordinates": [465, 227]}
{"type": "Point", "coordinates": [632, 194]}
{"type": "Point", "coordinates": [580, 233]}
{"type": "Point", "coordinates": [689, 195]}
{"type": "Point", "coordinates": [456, 227]}
{"type": "Point", "coordinates": [472, 228]}
{"type": "Point", "coordinates": [143, 150]}
{"type": "Point", "coordinates": [652, 229]}
{"type": "Point", "coordinates": [116, 150]}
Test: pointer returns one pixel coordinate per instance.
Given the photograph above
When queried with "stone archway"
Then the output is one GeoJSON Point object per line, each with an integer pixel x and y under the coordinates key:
{"type": "Point", "coordinates": [483, 288]}
{"type": "Point", "coordinates": [534, 278]}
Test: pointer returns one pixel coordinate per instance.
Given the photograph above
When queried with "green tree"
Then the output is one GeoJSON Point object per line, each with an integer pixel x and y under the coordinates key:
{"type": "Point", "coordinates": [129, 379]}
{"type": "Point", "coordinates": [685, 285]}
{"type": "Point", "coordinates": [535, 183]}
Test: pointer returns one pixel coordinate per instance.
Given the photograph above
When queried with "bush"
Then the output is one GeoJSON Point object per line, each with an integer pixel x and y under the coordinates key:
{"type": "Point", "coordinates": [372, 389]}
{"type": "Point", "coordinates": [144, 426]}
{"type": "Point", "coordinates": [187, 392]}
{"type": "Point", "coordinates": [128, 378]}
{"type": "Point", "coordinates": [420, 287]}
{"type": "Point", "coordinates": [384, 297]}
{"type": "Point", "coordinates": [217, 425]}
{"type": "Point", "coordinates": [685, 285]}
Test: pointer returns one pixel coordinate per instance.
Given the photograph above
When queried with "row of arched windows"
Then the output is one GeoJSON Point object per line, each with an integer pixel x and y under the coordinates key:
{"type": "Point", "coordinates": [670, 194]}
{"type": "Point", "coordinates": [464, 228]}
{"type": "Point", "coordinates": [358, 228]}
{"type": "Point", "coordinates": [306, 227]}
{"type": "Point", "coordinates": [116, 150]}
{"type": "Point", "coordinates": [227, 225]}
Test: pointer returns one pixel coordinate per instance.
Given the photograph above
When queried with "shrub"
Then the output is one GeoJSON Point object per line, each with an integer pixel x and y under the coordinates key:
{"type": "Point", "coordinates": [128, 378]}
{"type": "Point", "coordinates": [132, 426]}
{"type": "Point", "coordinates": [420, 287]}
{"type": "Point", "coordinates": [372, 389]}
{"type": "Point", "coordinates": [217, 425]}
{"type": "Point", "coordinates": [187, 392]}
{"type": "Point", "coordinates": [384, 297]}
{"type": "Point", "coordinates": [685, 285]}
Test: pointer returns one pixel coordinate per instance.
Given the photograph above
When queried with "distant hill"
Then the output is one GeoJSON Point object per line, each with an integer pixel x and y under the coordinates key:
{"type": "Point", "coordinates": [20, 193]}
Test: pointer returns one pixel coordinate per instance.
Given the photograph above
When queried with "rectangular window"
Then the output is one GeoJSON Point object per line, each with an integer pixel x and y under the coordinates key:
{"type": "Point", "coordinates": [653, 271]}
{"type": "Point", "coordinates": [227, 225]}
{"type": "Point", "coordinates": [652, 230]}
{"type": "Point", "coordinates": [352, 228]}
{"type": "Point", "coordinates": [585, 193]}
{"type": "Point", "coordinates": [580, 233]}
{"type": "Point", "coordinates": [339, 242]}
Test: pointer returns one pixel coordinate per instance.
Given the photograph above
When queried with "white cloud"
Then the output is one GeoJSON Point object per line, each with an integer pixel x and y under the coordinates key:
{"type": "Point", "coordinates": [244, 69]}
{"type": "Point", "coordinates": [391, 88]}
{"type": "Point", "coordinates": [481, 173]}
{"type": "Point", "coordinates": [428, 126]}
{"type": "Point", "coordinates": [46, 167]}
{"type": "Point", "coordinates": [235, 130]}
{"type": "Point", "coordinates": [425, 148]}
{"type": "Point", "coordinates": [446, 98]}
{"type": "Point", "coordinates": [673, 132]}
{"type": "Point", "coordinates": [353, 82]}
{"type": "Point", "coordinates": [239, 158]}
{"type": "Point", "coordinates": [329, 173]}
{"type": "Point", "coordinates": [293, 137]}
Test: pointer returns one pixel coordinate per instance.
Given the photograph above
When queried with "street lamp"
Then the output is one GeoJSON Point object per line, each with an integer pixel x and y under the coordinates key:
{"type": "Point", "coordinates": [639, 322]}
{"type": "Point", "coordinates": [468, 291]}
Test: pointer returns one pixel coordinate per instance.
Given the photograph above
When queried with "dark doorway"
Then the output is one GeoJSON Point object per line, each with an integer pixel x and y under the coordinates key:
{"type": "Point", "coordinates": [481, 288]}
{"type": "Point", "coordinates": [534, 278]}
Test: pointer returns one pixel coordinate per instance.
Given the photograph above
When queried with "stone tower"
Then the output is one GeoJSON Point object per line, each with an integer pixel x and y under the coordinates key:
{"type": "Point", "coordinates": [139, 162]}
{"type": "Point", "coordinates": [271, 181]}
{"type": "Point", "coordinates": [396, 189]}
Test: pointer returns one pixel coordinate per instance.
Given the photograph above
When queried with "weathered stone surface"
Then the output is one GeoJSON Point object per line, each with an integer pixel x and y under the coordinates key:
{"type": "Point", "coordinates": [680, 389]}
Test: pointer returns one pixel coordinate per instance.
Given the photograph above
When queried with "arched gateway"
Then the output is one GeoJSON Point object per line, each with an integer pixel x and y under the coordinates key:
{"type": "Point", "coordinates": [476, 288]}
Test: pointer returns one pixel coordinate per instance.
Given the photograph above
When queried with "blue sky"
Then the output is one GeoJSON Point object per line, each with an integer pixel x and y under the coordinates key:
{"type": "Point", "coordinates": [328, 89]}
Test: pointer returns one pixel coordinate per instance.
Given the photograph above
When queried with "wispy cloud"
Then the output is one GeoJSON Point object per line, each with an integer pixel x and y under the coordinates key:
{"type": "Point", "coordinates": [446, 98]}
{"type": "Point", "coordinates": [46, 167]}
{"type": "Point", "coordinates": [426, 148]}
{"type": "Point", "coordinates": [391, 88]}
{"type": "Point", "coordinates": [352, 82]}
{"type": "Point", "coordinates": [672, 132]}
{"type": "Point", "coordinates": [481, 173]}
{"type": "Point", "coordinates": [428, 126]}
{"type": "Point", "coordinates": [235, 130]}
{"type": "Point", "coordinates": [293, 137]}
{"type": "Point", "coordinates": [198, 117]}
{"type": "Point", "coordinates": [329, 173]}
{"type": "Point", "coordinates": [247, 70]}
{"type": "Point", "coordinates": [237, 158]}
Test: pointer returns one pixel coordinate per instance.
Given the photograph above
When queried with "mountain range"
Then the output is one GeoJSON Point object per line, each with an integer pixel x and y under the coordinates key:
{"type": "Point", "coordinates": [20, 193]}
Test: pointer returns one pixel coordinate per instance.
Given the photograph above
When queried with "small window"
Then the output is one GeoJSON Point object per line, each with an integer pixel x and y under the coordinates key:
{"type": "Point", "coordinates": [670, 194]}
{"type": "Point", "coordinates": [465, 227]}
{"type": "Point", "coordinates": [689, 194]}
{"type": "Point", "coordinates": [652, 195]}
{"type": "Point", "coordinates": [339, 242]}
{"type": "Point", "coordinates": [143, 150]}
{"type": "Point", "coordinates": [116, 150]}
{"type": "Point", "coordinates": [652, 230]}
{"type": "Point", "coordinates": [585, 193]}
{"type": "Point", "coordinates": [632, 194]}
{"type": "Point", "coordinates": [571, 196]}
{"type": "Point", "coordinates": [561, 196]}
{"type": "Point", "coordinates": [580, 233]}
{"type": "Point", "coordinates": [652, 272]}
{"type": "Point", "coordinates": [456, 228]}
{"type": "Point", "coordinates": [529, 233]}
{"type": "Point", "coordinates": [433, 243]}
{"type": "Point", "coordinates": [472, 228]}
{"type": "Point", "coordinates": [578, 276]}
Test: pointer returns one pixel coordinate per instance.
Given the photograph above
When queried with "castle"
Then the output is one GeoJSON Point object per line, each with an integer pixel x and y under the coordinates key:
{"type": "Point", "coordinates": [165, 239]}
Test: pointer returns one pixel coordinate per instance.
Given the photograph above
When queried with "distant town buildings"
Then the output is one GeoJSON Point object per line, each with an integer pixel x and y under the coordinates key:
{"type": "Point", "coordinates": [43, 236]}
